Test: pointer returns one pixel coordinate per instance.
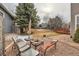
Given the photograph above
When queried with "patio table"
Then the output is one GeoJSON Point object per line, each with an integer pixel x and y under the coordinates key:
{"type": "Point", "coordinates": [36, 43]}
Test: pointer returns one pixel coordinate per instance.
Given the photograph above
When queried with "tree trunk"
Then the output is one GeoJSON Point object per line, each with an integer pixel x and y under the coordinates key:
{"type": "Point", "coordinates": [21, 30]}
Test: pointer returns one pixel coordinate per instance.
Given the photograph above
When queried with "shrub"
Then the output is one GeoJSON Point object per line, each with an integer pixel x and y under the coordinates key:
{"type": "Point", "coordinates": [76, 36]}
{"type": "Point", "coordinates": [63, 31]}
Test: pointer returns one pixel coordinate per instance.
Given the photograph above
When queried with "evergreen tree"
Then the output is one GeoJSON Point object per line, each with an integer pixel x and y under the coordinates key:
{"type": "Point", "coordinates": [24, 13]}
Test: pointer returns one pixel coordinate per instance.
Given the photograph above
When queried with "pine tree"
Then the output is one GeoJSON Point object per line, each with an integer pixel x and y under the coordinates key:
{"type": "Point", "coordinates": [25, 12]}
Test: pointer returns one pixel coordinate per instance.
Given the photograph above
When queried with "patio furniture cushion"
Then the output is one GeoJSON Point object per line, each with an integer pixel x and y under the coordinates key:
{"type": "Point", "coordinates": [30, 52]}
{"type": "Point", "coordinates": [24, 37]}
{"type": "Point", "coordinates": [21, 44]}
{"type": "Point", "coordinates": [24, 48]}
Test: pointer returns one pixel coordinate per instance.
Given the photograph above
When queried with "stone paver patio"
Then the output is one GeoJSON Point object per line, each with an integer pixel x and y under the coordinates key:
{"type": "Point", "coordinates": [65, 46]}
{"type": "Point", "coordinates": [63, 50]}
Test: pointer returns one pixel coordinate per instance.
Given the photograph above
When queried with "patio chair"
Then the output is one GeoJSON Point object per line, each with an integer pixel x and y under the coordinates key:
{"type": "Point", "coordinates": [25, 49]}
{"type": "Point", "coordinates": [46, 46]}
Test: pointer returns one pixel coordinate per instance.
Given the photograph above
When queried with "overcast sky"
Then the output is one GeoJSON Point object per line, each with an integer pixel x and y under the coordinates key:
{"type": "Point", "coordinates": [53, 9]}
{"type": "Point", "coordinates": [49, 10]}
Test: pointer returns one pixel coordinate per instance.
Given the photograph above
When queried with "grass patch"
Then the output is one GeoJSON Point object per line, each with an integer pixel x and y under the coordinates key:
{"type": "Point", "coordinates": [41, 32]}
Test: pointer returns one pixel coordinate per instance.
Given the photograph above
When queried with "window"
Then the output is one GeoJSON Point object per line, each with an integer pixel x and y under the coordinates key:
{"type": "Point", "coordinates": [77, 21]}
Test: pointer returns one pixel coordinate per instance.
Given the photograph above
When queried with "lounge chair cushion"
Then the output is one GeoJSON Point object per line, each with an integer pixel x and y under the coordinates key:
{"type": "Point", "coordinates": [24, 48]}
{"type": "Point", "coordinates": [21, 44]}
{"type": "Point", "coordinates": [30, 52]}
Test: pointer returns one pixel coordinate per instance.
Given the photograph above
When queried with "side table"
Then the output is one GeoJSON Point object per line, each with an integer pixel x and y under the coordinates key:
{"type": "Point", "coordinates": [36, 43]}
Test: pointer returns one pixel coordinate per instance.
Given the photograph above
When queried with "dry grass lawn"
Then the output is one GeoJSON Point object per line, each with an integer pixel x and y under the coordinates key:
{"type": "Point", "coordinates": [41, 32]}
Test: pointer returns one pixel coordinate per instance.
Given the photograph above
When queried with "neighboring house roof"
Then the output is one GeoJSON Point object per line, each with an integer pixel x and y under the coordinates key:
{"type": "Point", "coordinates": [43, 25]}
{"type": "Point", "coordinates": [6, 10]}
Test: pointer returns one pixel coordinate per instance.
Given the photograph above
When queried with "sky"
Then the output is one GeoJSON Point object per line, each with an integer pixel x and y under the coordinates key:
{"type": "Point", "coordinates": [47, 10]}
{"type": "Point", "coordinates": [53, 9]}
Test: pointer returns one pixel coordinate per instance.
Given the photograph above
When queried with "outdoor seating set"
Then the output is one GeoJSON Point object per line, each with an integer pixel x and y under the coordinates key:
{"type": "Point", "coordinates": [25, 46]}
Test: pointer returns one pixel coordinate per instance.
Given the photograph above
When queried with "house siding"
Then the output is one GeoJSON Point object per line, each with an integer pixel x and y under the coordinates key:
{"type": "Point", "coordinates": [7, 22]}
{"type": "Point", "coordinates": [74, 11]}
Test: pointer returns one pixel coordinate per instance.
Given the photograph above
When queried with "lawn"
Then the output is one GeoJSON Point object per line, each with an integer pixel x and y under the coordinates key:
{"type": "Point", "coordinates": [41, 32]}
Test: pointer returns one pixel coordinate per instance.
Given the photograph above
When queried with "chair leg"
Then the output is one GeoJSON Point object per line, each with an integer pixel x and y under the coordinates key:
{"type": "Point", "coordinates": [55, 45]}
{"type": "Point", "coordinates": [38, 55]}
{"type": "Point", "coordinates": [44, 53]}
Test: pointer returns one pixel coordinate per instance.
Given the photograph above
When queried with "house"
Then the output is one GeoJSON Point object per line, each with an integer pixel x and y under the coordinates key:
{"type": "Point", "coordinates": [8, 24]}
{"type": "Point", "coordinates": [43, 25]}
{"type": "Point", "coordinates": [74, 18]}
